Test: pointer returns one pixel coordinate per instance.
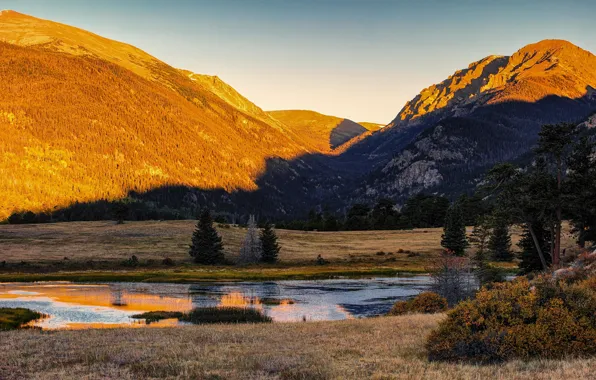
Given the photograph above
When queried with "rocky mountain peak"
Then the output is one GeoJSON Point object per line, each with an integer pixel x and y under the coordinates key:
{"type": "Point", "coordinates": [538, 70]}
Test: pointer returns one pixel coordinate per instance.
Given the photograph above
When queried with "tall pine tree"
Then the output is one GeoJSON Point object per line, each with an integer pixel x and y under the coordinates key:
{"type": "Point", "coordinates": [479, 238]}
{"type": "Point", "coordinates": [580, 198]}
{"type": "Point", "coordinates": [454, 237]}
{"type": "Point", "coordinates": [530, 259]}
{"type": "Point", "coordinates": [499, 243]}
{"type": "Point", "coordinates": [206, 247]}
{"type": "Point", "coordinates": [269, 244]}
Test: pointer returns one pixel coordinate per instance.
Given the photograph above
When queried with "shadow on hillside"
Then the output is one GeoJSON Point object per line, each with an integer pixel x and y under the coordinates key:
{"type": "Point", "coordinates": [344, 132]}
{"type": "Point", "coordinates": [289, 189]}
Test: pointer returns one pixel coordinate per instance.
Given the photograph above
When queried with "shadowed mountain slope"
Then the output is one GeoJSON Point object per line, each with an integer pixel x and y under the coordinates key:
{"type": "Point", "coordinates": [445, 137]}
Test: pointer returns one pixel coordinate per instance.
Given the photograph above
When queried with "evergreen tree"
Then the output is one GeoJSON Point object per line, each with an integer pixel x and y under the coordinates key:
{"type": "Point", "coordinates": [358, 218]}
{"type": "Point", "coordinates": [251, 250]}
{"type": "Point", "coordinates": [269, 244]}
{"type": "Point", "coordinates": [454, 238]}
{"type": "Point", "coordinates": [499, 243]}
{"type": "Point", "coordinates": [206, 247]}
{"type": "Point", "coordinates": [384, 216]}
{"type": "Point", "coordinates": [331, 223]}
{"type": "Point", "coordinates": [580, 197]}
{"type": "Point", "coordinates": [530, 259]}
{"type": "Point", "coordinates": [554, 142]}
{"type": "Point", "coordinates": [479, 238]}
{"type": "Point", "coordinates": [120, 210]}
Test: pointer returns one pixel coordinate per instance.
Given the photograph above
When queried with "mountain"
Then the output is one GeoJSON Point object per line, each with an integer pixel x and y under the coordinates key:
{"type": "Point", "coordinates": [84, 118]}
{"type": "Point", "coordinates": [325, 132]}
{"type": "Point", "coordinates": [446, 137]}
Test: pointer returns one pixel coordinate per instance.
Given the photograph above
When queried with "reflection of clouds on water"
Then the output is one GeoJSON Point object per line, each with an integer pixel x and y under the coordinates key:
{"type": "Point", "coordinates": [96, 305]}
{"type": "Point", "coordinates": [23, 293]}
{"type": "Point", "coordinates": [316, 300]}
{"type": "Point", "coordinates": [61, 313]}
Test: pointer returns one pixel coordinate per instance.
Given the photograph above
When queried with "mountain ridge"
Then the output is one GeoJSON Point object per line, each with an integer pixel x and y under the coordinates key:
{"type": "Point", "coordinates": [441, 135]}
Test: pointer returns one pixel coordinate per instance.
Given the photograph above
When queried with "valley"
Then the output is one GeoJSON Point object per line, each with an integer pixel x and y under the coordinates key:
{"type": "Point", "coordinates": [172, 215]}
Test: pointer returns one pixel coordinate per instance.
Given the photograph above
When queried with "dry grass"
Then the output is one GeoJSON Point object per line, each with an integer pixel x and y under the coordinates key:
{"type": "Point", "coordinates": [380, 348]}
{"type": "Point", "coordinates": [156, 240]}
{"type": "Point", "coordinates": [408, 250]}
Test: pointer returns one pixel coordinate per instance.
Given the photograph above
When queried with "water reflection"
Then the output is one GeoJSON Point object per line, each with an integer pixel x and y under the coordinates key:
{"type": "Point", "coordinates": [111, 305]}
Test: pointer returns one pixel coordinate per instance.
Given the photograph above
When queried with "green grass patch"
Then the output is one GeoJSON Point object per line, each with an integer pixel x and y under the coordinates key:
{"type": "Point", "coordinates": [12, 319]}
{"type": "Point", "coordinates": [200, 274]}
{"type": "Point", "coordinates": [208, 315]}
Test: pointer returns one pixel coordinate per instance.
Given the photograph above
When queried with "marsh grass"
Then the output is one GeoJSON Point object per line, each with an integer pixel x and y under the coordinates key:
{"type": "Point", "coordinates": [227, 315]}
{"type": "Point", "coordinates": [209, 315]}
{"type": "Point", "coordinates": [15, 318]}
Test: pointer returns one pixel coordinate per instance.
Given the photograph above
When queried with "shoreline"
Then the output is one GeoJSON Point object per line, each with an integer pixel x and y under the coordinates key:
{"type": "Point", "coordinates": [216, 274]}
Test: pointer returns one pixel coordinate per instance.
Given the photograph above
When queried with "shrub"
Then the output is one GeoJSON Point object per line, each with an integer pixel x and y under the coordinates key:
{"type": "Point", "coordinates": [452, 278]}
{"type": "Point", "coordinates": [400, 308]}
{"type": "Point", "coordinates": [546, 319]}
{"type": "Point", "coordinates": [167, 262]}
{"type": "Point", "coordinates": [133, 261]}
{"type": "Point", "coordinates": [426, 303]}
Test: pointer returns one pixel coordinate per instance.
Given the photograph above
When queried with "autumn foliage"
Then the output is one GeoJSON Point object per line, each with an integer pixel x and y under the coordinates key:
{"type": "Point", "coordinates": [77, 128]}
{"type": "Point", "coordinates": [545, 319]}
{"type": "Point", "coordinates": [425, 303]}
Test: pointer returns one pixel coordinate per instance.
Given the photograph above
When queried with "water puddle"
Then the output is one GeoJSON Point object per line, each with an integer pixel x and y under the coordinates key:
{"type": "Point", "coordinates": [77, 306]}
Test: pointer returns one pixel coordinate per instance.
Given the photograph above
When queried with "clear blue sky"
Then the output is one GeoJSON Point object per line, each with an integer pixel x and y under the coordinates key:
{"type": "Point", "coordinates": [351, 58]}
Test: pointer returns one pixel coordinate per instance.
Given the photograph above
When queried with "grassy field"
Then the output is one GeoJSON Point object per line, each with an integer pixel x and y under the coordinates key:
{"type": "Point", "coordinates": [92, 251]}
{"type": "Point", "coordinates": [157, 240]}
{"type": "Point", "coordinates": [377, 348]}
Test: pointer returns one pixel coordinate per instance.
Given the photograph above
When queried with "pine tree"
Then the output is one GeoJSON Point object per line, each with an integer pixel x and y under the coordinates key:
{"type": "Point", "coordinates": [581, 182]}
{"type": "Point", "coordinates": [499, 243]}
{"type": "Point", "coordinates": [269, 244]}
{"type": "Point", "coordinates": [120, 210]}
{"type": "Point", "coordinates": [251, 250]}
{"type": "Point", "coordinates": [454, 237]}
{"type": "Point", "coordinates": [530, 260]}
{"type": "Point", "coordinates": [479, 238]}
{"type": "Point", "coordinates": [206, 247]}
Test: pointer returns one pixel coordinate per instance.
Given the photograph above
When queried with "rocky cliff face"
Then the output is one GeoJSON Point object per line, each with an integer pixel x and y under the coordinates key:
{"type": "Point", "coordinates": [546, 68]}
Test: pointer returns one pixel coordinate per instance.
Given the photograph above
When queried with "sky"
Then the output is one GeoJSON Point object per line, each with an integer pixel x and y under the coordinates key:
{"type": "Point", "coordinates": [358, 59]}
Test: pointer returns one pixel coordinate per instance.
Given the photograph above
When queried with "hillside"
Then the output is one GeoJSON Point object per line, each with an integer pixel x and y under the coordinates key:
{"type": "Point", "coordinates": [84, 118]}
{"type": "Point", "coordinates": [323, 131]}
{"type": "Point", "coordinates": [449, 134]}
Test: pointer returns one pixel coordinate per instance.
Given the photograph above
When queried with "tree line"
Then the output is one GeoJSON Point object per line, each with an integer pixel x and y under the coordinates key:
{"type": "Point", "coordinates": [559, 184]}
{"type": "Point", "coordinates": [420, 211]}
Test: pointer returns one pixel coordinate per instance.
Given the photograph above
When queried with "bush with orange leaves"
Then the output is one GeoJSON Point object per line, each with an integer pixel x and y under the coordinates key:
{"type": "Point", "coordinates": [547, 318]}
{"type": "Point", "coordinates": [426, 303]}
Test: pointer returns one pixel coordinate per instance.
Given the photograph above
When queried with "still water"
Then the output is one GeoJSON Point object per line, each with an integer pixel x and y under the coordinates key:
{"type": "Point", "coordinates": [73, 306]}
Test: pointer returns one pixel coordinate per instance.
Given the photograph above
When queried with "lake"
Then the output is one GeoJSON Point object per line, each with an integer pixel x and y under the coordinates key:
{"type": "Point", "coordinates": [77, 305]}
